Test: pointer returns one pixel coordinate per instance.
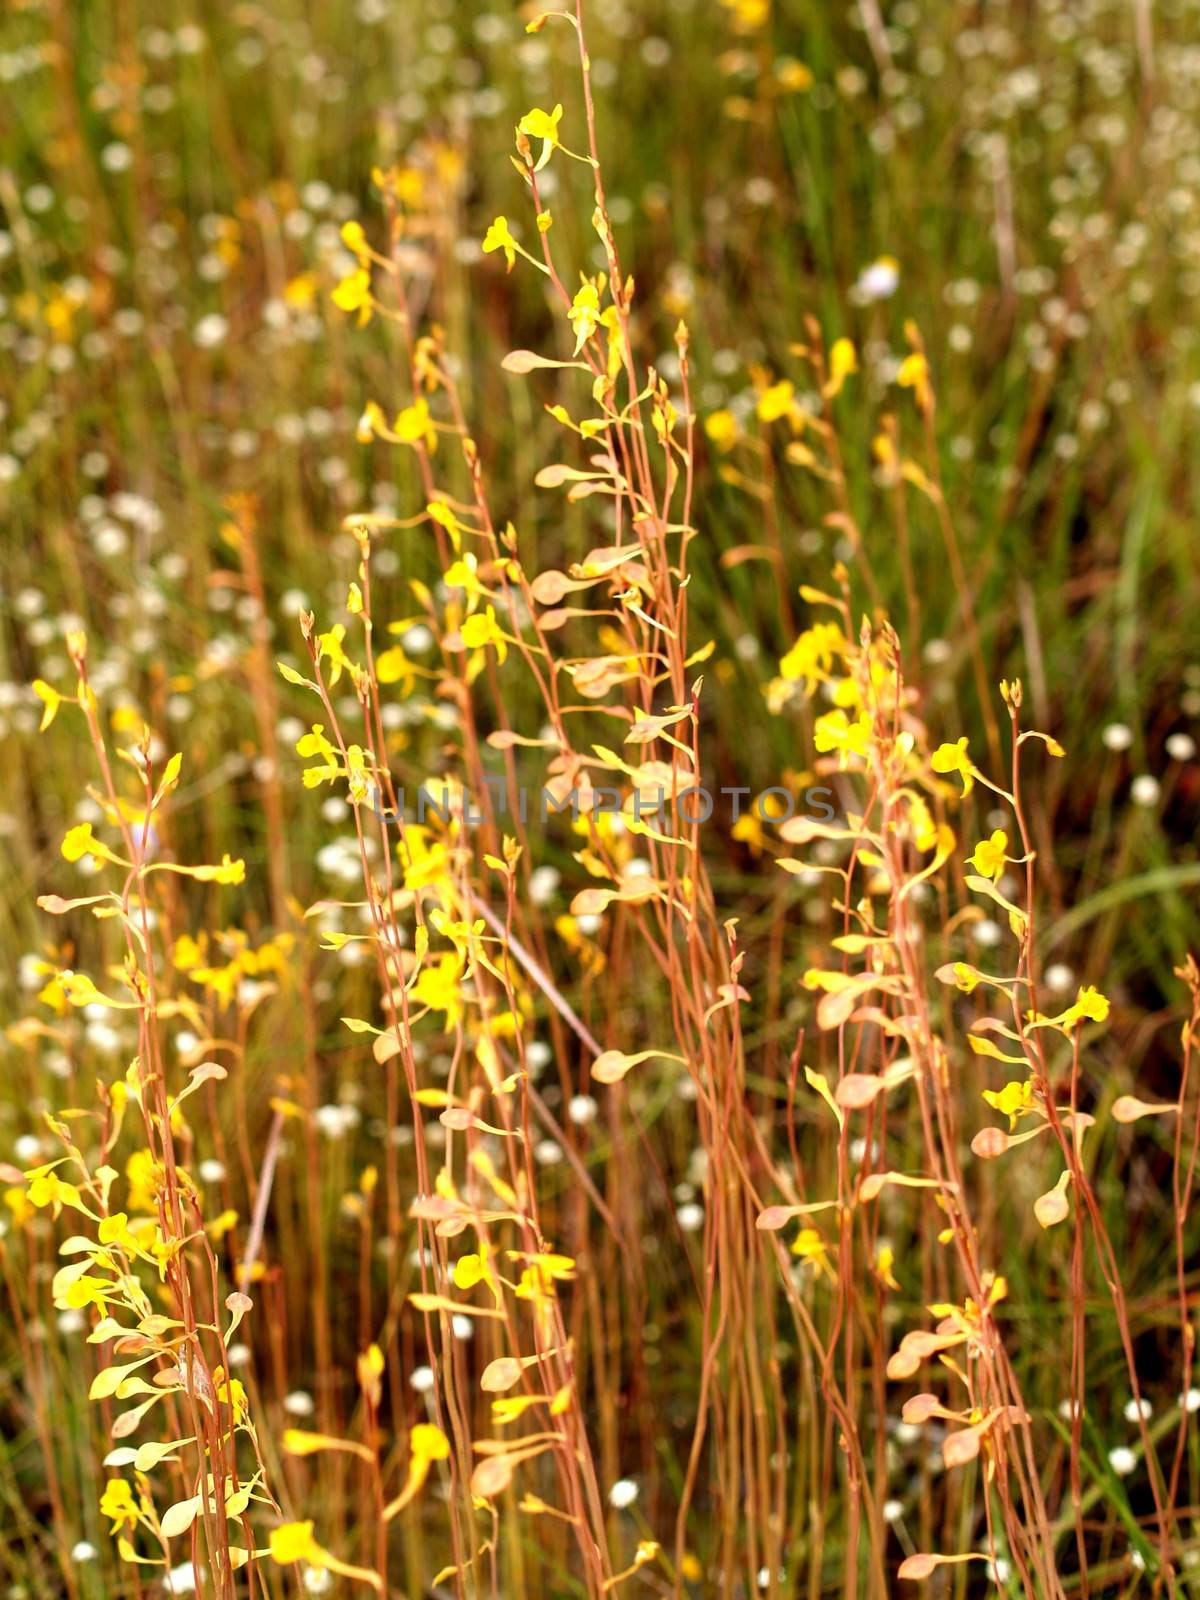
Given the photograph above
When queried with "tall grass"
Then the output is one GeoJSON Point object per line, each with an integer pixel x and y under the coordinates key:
{"type": "Point", "coordinates": [550, 1183]}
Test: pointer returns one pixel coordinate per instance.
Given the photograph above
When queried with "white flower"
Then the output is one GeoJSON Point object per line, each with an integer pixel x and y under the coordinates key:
{"type": "Point", "coordinates": [210, 331]}
{"type": "Point", "coordinates": [1181, 747]}
{"type": "Point", "coordinates": [1122, 1460]}
{"type": "Point", "coordinates": [690, 1217]}
{"type": "Point", "coordinates": [543, 883]}
{"type": "Point", "coordinates": [879, 281]}
{"type": "Point", "coordinates": [299, 1403]}
{"type": "Point", "coordinates": [1117, 736]}
{"type": "Point", "coordinates": [1138, 1408]}
{"type": "Point", "coordinates": [582, 1109]}
{"type": "Point", "coordinates": [1144, 790]}
{"type": "Point", "coordinates": [422, 1379]}
{"type": "Point", "coordinates": [83, 1551]}
{"type": "Point", "coordinates": [622, 1494]}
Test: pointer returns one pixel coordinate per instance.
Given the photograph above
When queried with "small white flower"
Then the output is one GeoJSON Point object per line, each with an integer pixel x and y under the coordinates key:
{"type": "Point", "coordinates": [422, 1379]}
{"type": "Point", "coordinates": [117, 157]}
{"type": "Point", "coordinates": [83, 1551]}
{"type": "Point", "coordinates": [879, 281]}
{"type": "Point", "coordinates": [210, 331]}
{"type": "Point", "coordinates": [582, 1109]}
{"type": "Point", "coordinates": [299, 1403]}
{"type": "Point", "coordinates": [1144, 790]}
{"type": "Point", "coordinates": [690, 1218]}
{"type": "Point", "coordinates": [1060, 978]}
{"type": "Point", "coordinates": [543, 884]}
{"type": "Point", "coordinates": [1122, 1460]}
{"type": "Point", "coordinates": [1181, 747]}
{"type": "Point", "coordinates": [1138, 1408]}
{"type": "Point", "coordinates": [893, 1510]}
{"type": "Point", "coordinates": [317, 1580]}
{"type": "Point", "coordinates": [1117, 736]}
{"type": "Point", "coordinates": [212, 1171]}
{"type": "Point", "coordinates": [622, 1494]}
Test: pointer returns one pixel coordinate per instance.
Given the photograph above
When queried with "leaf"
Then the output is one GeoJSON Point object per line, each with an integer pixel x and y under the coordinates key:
{"type": "Point", "coordinates": [776, 1217]}
{"type": "Point", "coordinates": [819, 1082]}
{"type": "Point", "coordinates": [524, 361]}
{"type": "Point", "coordinates": [109, 1379]}
{"type": "Point", "coordinates": [1128, 1108]}
{"type": "Point", "coordinates": [610, 1066]}
{"type": "Point", "coordinates": [299, 1443]}
{"type": "Point", "coordinates": [292, 676]}
{"type": "Point", "coordinates": [178, 1518]}
{"type": "Point", "coordinates": [1053, 1207]}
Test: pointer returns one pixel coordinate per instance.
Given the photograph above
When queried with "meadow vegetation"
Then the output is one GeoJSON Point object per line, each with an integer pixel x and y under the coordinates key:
{"type": "Point", "coordinates": [469, 1196]}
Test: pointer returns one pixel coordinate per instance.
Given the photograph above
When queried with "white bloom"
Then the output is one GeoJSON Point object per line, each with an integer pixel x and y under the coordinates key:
{"type": "Point", "coordinates": [210, 331]}
{"type": "Point", "coordinates": [582, 1109]}
{"type": "Point", "coordinates": [622, 1494]}
{"type": "Point", "coordinates": [1122, 1460]}
{"type": "Point", "coordinates": [879, 281]}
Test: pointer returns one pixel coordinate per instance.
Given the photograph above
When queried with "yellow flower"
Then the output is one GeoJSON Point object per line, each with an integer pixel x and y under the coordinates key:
{"type": "Point", "coordinates": [843, 360]}
{"type": "Point", "coordinates": [954, 758]}
{"type": "Point", "coordinates": [482, 629]}
{"type": "Point", "coordinates": [584, 315]}
{"type": "Point", "coordinates": [776, 401]}
{"type": "Point", "coordinates": [353, 293]}
{"type": "Point", "coordinates": [543, 125]}
{"type": "Point", "coordinates": [50, 698]}
{"type": "Point", "coordinates": [292, 1541]}
{"type": "Point", "coordinates": [810, 1247]}
{"type": "Point", "coordinates": [1012, 1099]}
{"type": "Point", "coordinates": [427, 1444]}
{"type": "Point", "coordinates": [722, 428]}
{"type": "Point", "coordinates": [1090, 1005]}
{"type": "Point", "coordinates": [330, 649]}
{"type": "Point", "coordinates": [80, 841]}
{"type": "Point", "coordinates": [415, 426]}
{"type": "Point", "coordinates": [989, 859]}
{"type": "Point", "coordinates": [914, 374]}
{"type": "Point", "coordinates": [117, 1502]}
{"type": "Point", "coordinates": [812, 656]}
{"type": "Point", "coordinates": [440, 988]}
{"type": "Point", "coordinates": [835, 731]}
{"type": "Point", "coordinates": [355, 241]}
{"type": "Point", "coordinates": [498, 237]}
